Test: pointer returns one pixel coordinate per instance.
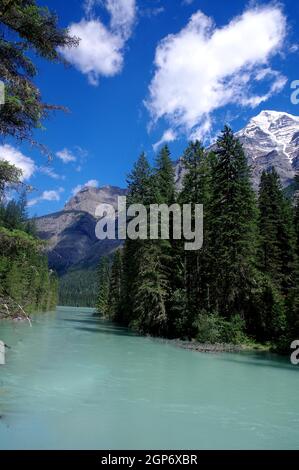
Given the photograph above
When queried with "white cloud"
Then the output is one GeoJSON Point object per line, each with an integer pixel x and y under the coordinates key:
{"type": "Point", "coordinates": [48, 171]}
{"type": "Point", "coordinates": [122, 16]}
{"type": "Point", "coordinates": [187, 2]}
{"type": "Point", "coordinates": [99, 52]}
{"type": "Point", "coordinates": [101, 48]}
{"type": "Point", "coordinates": [15, 157]}
{"type": "Point", "coordinates": [203, 68]}
{"type": "Point", "coordinates": [89, 184]}
{"type": "Point", "coordinates": [294, 48]}
{"type": "Point", "coordinates": [51, 195]}
{"type": "Point", "coordinates": [66, 156]}
{"type": "Point", "coordinates": [89, 6]}
{"type": "Point", "coordinates": [151, 12]}
{"type": "Point", "coordinates": [168, 136]}
{"type": "Point", "coordinates": [78, 155]}
{"type": "Point", "coordinates": [48, 195]}
{"type": "Point", "coordinates": [122, 12]}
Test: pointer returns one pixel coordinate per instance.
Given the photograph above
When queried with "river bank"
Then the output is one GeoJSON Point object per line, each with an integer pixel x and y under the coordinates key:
{"type": "Point", "coordinates": [11, 310]}
{"type": "Point", "coordinates": [194, 345]}
{"type": "Point", "coordinates": [205, 347]}
{"type": "Point", "coordinates": [93, 377]}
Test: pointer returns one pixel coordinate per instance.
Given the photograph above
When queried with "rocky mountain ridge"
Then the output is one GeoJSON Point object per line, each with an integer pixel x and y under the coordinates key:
{"type": "Point", "coordinates": [269, 139]}
{"type": "Point", "coordinates": [70, 233]}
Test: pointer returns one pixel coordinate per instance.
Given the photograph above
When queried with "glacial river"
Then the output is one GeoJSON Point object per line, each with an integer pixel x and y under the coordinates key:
{"type": "Point", "coordinates": [75, 381]}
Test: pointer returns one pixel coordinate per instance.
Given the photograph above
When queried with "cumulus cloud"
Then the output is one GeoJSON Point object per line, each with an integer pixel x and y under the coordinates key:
{"type": "Point", "coordinates": [15, 157]}
{"type": "Point", "coordinates": [48, 195]}
{"type": "Point", "coordinates": [203, 68]}
{"type": "Point", "coordinates": [99, 52]}
{"type": "Point", "coordinates": [101, 48]}
{"type": "Point", "coordinates": [89, 184]}
{"type": "Point", "coordinates": [66, 155]}
{"type": "Point", "coordinates": [122, 16]}
{"type": "Point", "coordinates": [168, 136]}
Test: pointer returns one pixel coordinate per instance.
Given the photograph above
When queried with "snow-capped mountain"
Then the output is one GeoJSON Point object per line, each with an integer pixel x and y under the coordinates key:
{"type": "Point", "coordinates": [269, 139]}
{"type": "Point", "coordinates": [272, 139]}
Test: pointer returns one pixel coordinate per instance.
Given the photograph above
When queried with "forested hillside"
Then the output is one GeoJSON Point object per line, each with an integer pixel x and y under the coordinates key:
{"type": "Point", "coordinates": [26, 283]}
{"type": "Point", "coordinates": [241, 286]}
{"type": "Point", "coordinates": [28, 31]}
{"type": "Point", "coordinates": [78, 288]}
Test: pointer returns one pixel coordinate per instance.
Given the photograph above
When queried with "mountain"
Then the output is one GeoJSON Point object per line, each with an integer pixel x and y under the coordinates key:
{"type": "Point", "coordinates": [89, 198]}
{"type": "Point", "coordinates": [70, 233]}
{"type": "Point", "coordinates": [269, 139]}
{"type": "Point", "coordinates": [272, 139]}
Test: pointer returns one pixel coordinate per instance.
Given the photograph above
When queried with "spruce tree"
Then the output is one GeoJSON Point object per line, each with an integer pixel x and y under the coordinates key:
{"type": "Point", "coordinates": [151, 292]}
{"type": "Point", "coordinates": [146, 267]}
{"type": "Point", "coordinates": [140, 182]}
{"type": "Point", "coordinates": [196, 189]}
{"type": "Point", "coordinates": [168, 251]}
{"type": "Point", "coordinates": [232, 227]}
{"type": "Point", "coordinates": [103, 273]}
{"type": "Point", "coordinates": [293, 312]}
{"type": "Point", "coordinates": [140, 191]}
{"type": "Point", "coordinates": [115, 285]}
{"type": "Point", "coordinates": [276, 232]}
{"type": "Point", "coordinates": [296, 218]}
{"type": "Point", "coordinates": [164, 178]}
{"type": "Point", "coordinates": [26, 29]}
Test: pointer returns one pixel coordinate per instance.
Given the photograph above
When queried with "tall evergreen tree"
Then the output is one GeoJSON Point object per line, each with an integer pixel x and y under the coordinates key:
{"type": "Point", "coordinates": [26, 27]}
{"type": "Point", "coordinates": [146, 270]}
{"type": "Point", "coordinates": [277, 237]}
{"type": "Point", "coordinates": [296, 218]}
{"type": "Point", "coordinates": [168, 251]}
{"type": "Point", "coordinates": [164, 178]}
{"type": "Point", "coordinates": [151, 292]}
{"type": "Point", "coordinates": [103, 273]}
{"type": "Point", "coordinates": [293, 307]}
{"type": "Point", "coordinates": [296, 224]}
{"type": "Point", "coordinates": [233, 227]}
{"type": "Point", "coordinates": [196, 189]}
{"type": "Point", "coordinates": [115, 287]}
{"type": "Point", "coordinates": [245, 269]}
{"type": "Point", "coordinates": [139, 192]}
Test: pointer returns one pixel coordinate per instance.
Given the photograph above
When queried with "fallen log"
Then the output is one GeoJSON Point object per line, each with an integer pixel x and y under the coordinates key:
{"type": "Point", "coordinates": [9, 308]}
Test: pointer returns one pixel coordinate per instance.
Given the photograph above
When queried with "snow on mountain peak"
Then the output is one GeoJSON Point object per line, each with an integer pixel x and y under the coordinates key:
{"type": "Point", "coordinates": [272, 139]}
{"type": "Point", "coordinates": [266, 120]}
{"type": "Point", "coordinates": [272, 130]}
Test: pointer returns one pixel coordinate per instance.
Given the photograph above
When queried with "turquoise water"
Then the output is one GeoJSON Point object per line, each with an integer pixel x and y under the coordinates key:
{"type": "Point", "coordinates": [74, 381]}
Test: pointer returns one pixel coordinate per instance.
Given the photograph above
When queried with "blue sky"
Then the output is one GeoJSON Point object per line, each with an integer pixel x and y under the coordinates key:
{"type": "Point", "coordinates": [150, 71]}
